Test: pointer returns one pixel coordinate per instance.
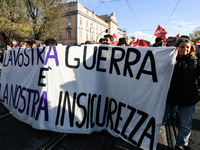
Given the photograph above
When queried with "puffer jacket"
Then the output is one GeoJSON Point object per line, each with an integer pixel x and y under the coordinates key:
{"type": "Point", "coordinates": [183, 90]}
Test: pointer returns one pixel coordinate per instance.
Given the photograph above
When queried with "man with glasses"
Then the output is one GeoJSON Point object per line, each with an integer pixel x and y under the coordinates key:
{"type": "Point", "coordinates": [108, 39]}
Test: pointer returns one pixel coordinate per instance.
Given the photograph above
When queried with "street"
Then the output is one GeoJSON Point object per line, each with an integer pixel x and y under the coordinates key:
{"type": "Point", "coordinates": [16, 135]}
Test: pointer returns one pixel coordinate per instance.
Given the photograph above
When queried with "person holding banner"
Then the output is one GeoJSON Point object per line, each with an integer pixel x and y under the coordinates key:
{"type": "Point", "coordinates": [183, 90]}
{"type": "Point", "coordinates": [32, 44]}
{"type": "Point", "coordinates": [50, 42]}
{"type": "Point", "coordinates": [108, 39]}
{"type": "Point", "coordinates": [158, 42]}
{"type": "Point", "coordinates": [122, 42]}
{"type": "Point", "coordinates": [9, 46]}
{"type": "Point", "coordinates": [102, 41]}
{"type": "Point", "coordinates": [24, 45]}
{"type": "Point", "coordinates": [171, 41]}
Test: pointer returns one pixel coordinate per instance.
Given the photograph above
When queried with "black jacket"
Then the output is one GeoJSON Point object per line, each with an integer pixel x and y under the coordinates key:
{"type": "Point", "coordinates": [183, 90]}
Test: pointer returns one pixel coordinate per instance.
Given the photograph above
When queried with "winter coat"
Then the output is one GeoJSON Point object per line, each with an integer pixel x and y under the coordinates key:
{"type": "Point", "coordinates": [183, 89]}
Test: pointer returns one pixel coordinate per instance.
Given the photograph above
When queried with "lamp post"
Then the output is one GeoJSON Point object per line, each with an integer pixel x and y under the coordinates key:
{"type": "Point", "coordinates": [100, 33]}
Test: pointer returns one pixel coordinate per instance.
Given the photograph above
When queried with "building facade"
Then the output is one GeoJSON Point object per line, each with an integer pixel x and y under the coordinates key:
{"type": "Point", "coordinates": [81, 25]}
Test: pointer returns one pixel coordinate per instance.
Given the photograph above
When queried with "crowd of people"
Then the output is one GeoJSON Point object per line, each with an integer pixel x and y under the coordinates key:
{"type": "Point", "coordinates": [30, 44]}
{"type": "Point", "coordinates": [34, 44]}
{"type": "Point", "coordinates": [183, 93]}
{"type": "Point", "coordinates": [108, 39]}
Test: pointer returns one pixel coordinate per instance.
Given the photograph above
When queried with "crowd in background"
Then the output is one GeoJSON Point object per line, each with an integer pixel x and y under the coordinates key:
{"type": "Point", "coordinates": [34, 44]}
{"type": "Point", "coordinates": [183, 92]}
{"type": "Point", "coordinates": [30, 44]}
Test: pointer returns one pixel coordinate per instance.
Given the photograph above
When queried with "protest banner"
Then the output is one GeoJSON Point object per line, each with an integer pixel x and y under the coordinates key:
{"type": "Point", "coordinates": [81, 89]}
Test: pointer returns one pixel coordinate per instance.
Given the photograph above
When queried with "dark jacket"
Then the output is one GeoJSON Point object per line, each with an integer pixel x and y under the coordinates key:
{"type": "Point", "coordinates": [183, 90]}
{"type": "Point", "coordinates": [1, 57]}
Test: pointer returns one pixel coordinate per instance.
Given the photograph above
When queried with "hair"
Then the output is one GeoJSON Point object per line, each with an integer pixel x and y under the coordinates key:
{"type": "Point", "coordinates": [25, 43]}
{"type": "Point", "coordinates": [50, 42]}
{"type": "Point", "coordinates": [121, 41]}
{"type": "Point", "coordinates": [109, 36]}
{"type": "Point", "coordinates": [101, 39]}
{"type": "Point", "coordinates": [158, 39]}
{"type": "Point", "coordinates": [193, 48]}
{"type": "Point", "coordinates": [185, 36]}
{"type": "Point", "coordinates": [11, 45]}
{"type": "Point", "coordinates": [87, 42]}
{"type": "Point", "coordinates": [31, 43]}
{"type": "Point", "coordinates": [174, 38]}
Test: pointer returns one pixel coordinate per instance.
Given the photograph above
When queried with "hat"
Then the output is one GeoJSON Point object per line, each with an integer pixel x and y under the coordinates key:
{"type": "Point", "coordinates": [122, 41]}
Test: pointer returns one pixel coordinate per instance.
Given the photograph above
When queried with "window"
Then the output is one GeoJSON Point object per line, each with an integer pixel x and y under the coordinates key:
{"type": "Point", "coordinates": [86, 36]}
{"type": "Point", "coordinates": [87, 23]}
{"type": "Point", "coordinates": [80, 20]}
{"type": "Point", "coordinates": [72, 7]}
{"type": "Point", "coordinates": [69, 34]}
{"type": "Point", "coordinates": [69, 21]}
{"type": "Point", "coordinates": [68, 8]}
{"type": "Point", "coordinates": [92, 37]}
{"type": "Point", "coordinates": [60, 37]}
{"type": "Point", "coordinates": [80, 34]}
{"type": "Point", "coordinates": [91, 27]}
{"type": "Point", "coordinates": [97, 28]}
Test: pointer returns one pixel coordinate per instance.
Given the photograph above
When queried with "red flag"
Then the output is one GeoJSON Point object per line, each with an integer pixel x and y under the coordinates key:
{"type": "Point", "coordinates": [164, 40]}
{"type": "Point", "coordinates": [160, 32]}
{"type": "Point", "coordinates": [177, 35]}
{"type": "Point", "coordinates": [131, 44]}
{"type": "Point", "coordinates": [138, 42]}
{"type": "Point", "coordinates": [115, 39]}
{"type": "Point", "coordinates": [198, 43]}
{"type": "Point", "coordinates": [143, 43]}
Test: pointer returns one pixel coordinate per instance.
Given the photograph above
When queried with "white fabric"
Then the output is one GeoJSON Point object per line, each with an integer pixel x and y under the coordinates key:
{"type": "Point", "coordinates": [53, 88]}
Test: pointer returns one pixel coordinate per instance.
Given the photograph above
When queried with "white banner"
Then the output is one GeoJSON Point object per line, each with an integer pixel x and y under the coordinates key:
{"type": "Point", "coordinates": [90, 88]}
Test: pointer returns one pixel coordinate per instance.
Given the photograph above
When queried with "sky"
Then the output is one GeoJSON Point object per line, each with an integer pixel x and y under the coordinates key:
{"type": "Point", "coordinates": [140, 18]}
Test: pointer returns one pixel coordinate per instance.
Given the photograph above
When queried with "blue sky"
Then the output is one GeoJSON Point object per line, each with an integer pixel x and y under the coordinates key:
{"type": "Point", "coordinates": [140, 18]}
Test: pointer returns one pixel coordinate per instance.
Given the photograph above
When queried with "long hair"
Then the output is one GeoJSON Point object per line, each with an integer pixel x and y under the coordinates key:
{"type": "Point", "coordinates": [193, 48]}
